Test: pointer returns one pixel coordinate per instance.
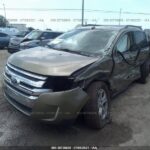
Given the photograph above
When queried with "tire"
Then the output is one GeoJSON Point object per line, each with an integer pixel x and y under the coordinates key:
{"type": "Point", "coordinates": [144, 69]}
{"type": "Point", "coordinates": [96, 114]}
{"type": "Point", "coordinates": [1, 48]}
{"type": "Point", "coordinates": [9, 51]}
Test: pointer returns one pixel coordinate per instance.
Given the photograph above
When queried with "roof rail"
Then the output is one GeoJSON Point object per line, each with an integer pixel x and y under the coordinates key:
{"type": "Point", "coordinates": [87, 25]}
{"type": "Point", "coordinates": [124, 26]}
{"type": "Point", "coordinates": [128, 26]}
{"type": "Point", "coordinates": [121, 26]}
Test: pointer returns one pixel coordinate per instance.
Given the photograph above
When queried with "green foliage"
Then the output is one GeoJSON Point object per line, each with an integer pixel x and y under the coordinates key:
{"type": "Point", "coordinates": [3, 21]}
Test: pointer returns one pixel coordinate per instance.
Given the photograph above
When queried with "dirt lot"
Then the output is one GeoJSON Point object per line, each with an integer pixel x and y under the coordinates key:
{"type": "Point", "coordinates": [130, 123]}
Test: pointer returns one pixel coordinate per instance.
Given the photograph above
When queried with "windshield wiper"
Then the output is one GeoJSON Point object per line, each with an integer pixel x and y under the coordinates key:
{"type": "Point", "coordinates": [70, 51]}
{"type": "Point", "coordinates": [74, 52]}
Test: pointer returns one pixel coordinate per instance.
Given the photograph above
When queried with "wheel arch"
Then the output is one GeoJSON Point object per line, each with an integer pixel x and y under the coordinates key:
{"type": "Point", "coordinates": [106, 81]}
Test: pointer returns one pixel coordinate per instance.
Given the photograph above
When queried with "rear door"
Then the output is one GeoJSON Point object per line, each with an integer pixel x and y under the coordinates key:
{"type": "Point", "coordinates": [141, 45]}
{"type": "Point", "coordinates": [48, 36]}
{"type": "Point", "coordinates": [45, 38]}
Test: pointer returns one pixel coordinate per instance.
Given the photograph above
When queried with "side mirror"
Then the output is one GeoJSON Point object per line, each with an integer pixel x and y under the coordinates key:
{"type": "Point", "coordinates": [117, 50]}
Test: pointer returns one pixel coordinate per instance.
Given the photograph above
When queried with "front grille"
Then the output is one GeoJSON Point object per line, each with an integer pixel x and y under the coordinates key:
{"type": "Point", "coordinates": [23, 87]}
{"type": "Point", "coordinates": [14, 44]}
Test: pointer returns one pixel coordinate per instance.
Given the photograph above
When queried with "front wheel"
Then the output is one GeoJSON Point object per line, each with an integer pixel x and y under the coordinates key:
{"type": "Point", "coordinates": [97, 110]}
{"type": "Point", "coordinates": [1, 47]}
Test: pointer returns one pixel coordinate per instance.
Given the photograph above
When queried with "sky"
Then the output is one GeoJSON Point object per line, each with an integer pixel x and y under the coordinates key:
{"type": "Point", "coordinates": [67, 19]}
{"type": "Point", "coordinates": [132, 5]}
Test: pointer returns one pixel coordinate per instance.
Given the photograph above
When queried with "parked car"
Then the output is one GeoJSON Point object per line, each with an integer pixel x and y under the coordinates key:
{"type": "Point", "coordinates": [33, 39]}
{"type": "Point", "coordinates": [4, 40]}
{"type": "Point", "coordinates": [80, 72]}
{"type": "Point", "coordinates": [15, 41]}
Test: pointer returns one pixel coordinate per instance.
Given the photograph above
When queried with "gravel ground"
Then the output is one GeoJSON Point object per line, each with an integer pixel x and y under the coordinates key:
{"type": "Point", "coordinates": [130, 123]}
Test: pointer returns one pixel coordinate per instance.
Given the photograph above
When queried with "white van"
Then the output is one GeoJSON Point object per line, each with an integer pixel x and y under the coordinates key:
{"type": "Point", "coordinates": [9, 31]}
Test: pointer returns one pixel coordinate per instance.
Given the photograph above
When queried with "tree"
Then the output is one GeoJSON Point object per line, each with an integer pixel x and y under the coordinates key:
{"type": "Point", "coordinates": [3, 21]}
{"type": "Point", "coordinates": [30, 29]}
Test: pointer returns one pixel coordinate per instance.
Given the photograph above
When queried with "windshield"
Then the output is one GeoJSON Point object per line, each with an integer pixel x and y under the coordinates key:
{"type": "Point", "coordinates": [34, 35]}
{"type": "Point", "coordinates": [21, 33]}
{"type": "Point", "coordinates": [84, 40]}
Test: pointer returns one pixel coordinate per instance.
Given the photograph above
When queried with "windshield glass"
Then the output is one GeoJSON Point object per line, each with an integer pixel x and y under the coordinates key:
{"type": "Point", "coordinates": [84, 40]}
{"type": "Point", "coordinates": [21, 33]}
{"type": "Point", "coordinates": [34, 35]}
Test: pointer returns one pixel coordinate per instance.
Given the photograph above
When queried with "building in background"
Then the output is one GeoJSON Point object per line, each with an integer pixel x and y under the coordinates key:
{"type": "Point", "coordinates": [9, 30]}
{"type": "Point", "coordinates": [20, 27]}
{"type": "Point", "coordinates": [66, 19]}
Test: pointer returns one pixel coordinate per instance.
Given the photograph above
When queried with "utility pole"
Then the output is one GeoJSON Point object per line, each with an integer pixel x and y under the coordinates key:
{"type": "Point", "coordinates": [4, 10]}
{"type": "Point", "coordinates": [5, 13]}
{"type": "Point", "coordinates": [82, 12]}
{"type": "Point", "coordinates": [120, 13]}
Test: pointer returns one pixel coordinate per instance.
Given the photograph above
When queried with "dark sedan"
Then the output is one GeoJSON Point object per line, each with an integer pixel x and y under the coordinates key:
{"type": "Point", "coordinates": [33, 39]}
{"type": "Point", "coordinates": [15, 41]}
{"type": "Point", "coordinates": [4, 40]}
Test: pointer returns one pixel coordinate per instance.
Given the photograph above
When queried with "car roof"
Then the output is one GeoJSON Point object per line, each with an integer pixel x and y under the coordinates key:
{"type": "Point", "coordinates": [50, 31]}
{"type": "Point", "coordinates": [53, 31]}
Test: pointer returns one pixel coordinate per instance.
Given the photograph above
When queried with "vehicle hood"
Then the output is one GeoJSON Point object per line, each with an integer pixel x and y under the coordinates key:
{"type": "Point", "coordinates": [27, 40]}
{"type": "Point", "coordinates": [16, 40]}
{"type": "Point", "coordinates": [28, 43]}
{"type": "Point", "coordinates": [49, 62]}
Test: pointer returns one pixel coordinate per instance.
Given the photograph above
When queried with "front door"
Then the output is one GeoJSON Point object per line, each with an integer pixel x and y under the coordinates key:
{"type": "Point", "coordinates": [124, 70]}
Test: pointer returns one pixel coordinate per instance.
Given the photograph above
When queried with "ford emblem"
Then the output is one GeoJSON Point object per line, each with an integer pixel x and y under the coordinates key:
{"type": "Point", "coordinates": [15, 81]}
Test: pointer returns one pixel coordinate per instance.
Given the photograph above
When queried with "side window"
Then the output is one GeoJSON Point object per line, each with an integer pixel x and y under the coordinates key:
{"type": "Point", "coordinates": [123, 44]}
{"type": "Point", "coordinates": [140, 39]}
{"type": "Point", "coordinates": [47, 35]}
{"type": "Point", "coordinates": [56, 34]}
{"type": "Point", "coordinates": [50, 35]}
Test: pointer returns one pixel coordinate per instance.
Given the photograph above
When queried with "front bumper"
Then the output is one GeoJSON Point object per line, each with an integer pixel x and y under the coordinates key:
{"type": "Point", "coordinates": [3, 44]}
{"type": "Point", "coordinates": [52, 106]}
{"type": "Point", "coordinates": [13, 49]}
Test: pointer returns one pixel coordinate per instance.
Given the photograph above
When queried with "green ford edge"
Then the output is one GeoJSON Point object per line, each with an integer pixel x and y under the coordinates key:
{"type": "Point", "coordinates": [77, 73]}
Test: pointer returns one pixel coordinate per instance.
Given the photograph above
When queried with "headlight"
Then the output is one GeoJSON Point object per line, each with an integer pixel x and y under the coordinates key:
{"type": "Point", "coordinates": [59, 83]}
{"type": "Point", "coordinates": [22, 44]}
{"type": "Point", "coordinates": [26, 46]}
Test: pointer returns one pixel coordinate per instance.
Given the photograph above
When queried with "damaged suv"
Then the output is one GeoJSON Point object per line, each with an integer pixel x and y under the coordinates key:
{"type": "Point", "coordinates": [77, 73]}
